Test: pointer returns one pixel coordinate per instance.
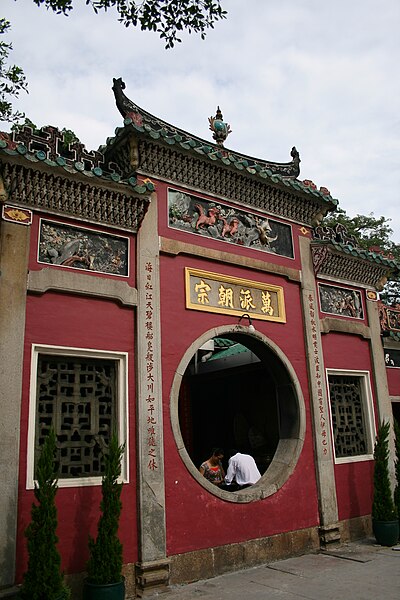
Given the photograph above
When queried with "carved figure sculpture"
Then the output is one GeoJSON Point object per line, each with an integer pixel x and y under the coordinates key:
{"type": "Point", "coordinates": [229, 228]}
{"type": "Point", "coordinates": [264, 229]}
{"type": "Point", "coordinates": [205, 220]}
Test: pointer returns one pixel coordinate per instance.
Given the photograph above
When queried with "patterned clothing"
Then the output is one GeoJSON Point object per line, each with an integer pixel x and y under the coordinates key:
{"type": "Point", "coordinates": [213, 474]}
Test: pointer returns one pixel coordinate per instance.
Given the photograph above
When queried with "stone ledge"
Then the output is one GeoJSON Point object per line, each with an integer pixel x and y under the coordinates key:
{"type": "Point", "coordinates": [340, 325]}
{"type": "Point", "coordinates": [56, 280]}
{"type": "Point", "coordinates": [174, 247]}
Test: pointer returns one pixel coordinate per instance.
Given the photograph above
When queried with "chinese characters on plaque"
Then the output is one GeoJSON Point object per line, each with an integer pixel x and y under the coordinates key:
{"type": "Point", "coordinates": [315, 361]}
{"type": "Point", "coordinates": [152, 416]}
{"type": "Point", "coordinates": [213, 292]}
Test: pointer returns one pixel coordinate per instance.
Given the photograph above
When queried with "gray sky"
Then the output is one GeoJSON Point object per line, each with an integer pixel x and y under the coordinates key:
{"type": "Point", "coordinates": [321, 76]}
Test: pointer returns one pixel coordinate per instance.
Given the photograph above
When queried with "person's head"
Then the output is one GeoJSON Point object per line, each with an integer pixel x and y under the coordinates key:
{"type": "Point", "coordinates": [217, 454]}
{"type": "Point", "coordinates": [232, 452]}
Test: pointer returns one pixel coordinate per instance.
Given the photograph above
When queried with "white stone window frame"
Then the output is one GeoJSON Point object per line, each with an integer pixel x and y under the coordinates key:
{"type": "Point", "coordinates": [368, 413]}
{"type": "Point", "coordinates": [289, 448]}
{"type": "Point", "coordinates": [121, 360]}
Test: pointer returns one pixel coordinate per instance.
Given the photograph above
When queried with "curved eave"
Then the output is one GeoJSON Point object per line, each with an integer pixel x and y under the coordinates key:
{"type": "Point", "coordinates": [19, 153]}
{"type": "Point", "coordinates": [360, 253]}
{"type": "Point", "coordinates": [213, 152]}
{"type": "Point", "coordinates": [391, 267]}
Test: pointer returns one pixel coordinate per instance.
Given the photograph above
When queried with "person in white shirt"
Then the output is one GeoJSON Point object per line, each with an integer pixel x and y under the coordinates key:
{"type": "Point", "coordinates": [242, 469]}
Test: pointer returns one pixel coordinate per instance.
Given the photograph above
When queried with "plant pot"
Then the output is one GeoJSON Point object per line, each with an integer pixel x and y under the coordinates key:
{"type": "Point", "coordinates": [64, 595]}
{"type": "Point", "coordinates": [386, 532]}
{"type": "Point", "coordinates": [108, 591]}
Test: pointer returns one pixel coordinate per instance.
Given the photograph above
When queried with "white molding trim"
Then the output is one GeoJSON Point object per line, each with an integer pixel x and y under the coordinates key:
{"type": "Point", "coordinates": [122, 409]}
{"type": "Point", "coordinates": [368, 413]}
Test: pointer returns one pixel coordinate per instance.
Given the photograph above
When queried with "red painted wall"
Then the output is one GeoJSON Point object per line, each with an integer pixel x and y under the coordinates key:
{"type": "Point", "coordinates": [353, 479]}
{"type": "Point", "coordinates": [80, 322]}
{"type": "Point", "coordinates": [195, 518]}
{"type": "Point", "coordinates": [393, 375]}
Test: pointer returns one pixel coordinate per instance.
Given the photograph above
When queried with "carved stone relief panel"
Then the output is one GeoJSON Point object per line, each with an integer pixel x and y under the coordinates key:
{"type": "Point", "coordinates": [393, 318]}
{"type": "Point", "coordinates": [221, 222]}
{"type": "Point", "coordinates": [81, 248]}
{"type": "Point", "coordinates": [344, 302]}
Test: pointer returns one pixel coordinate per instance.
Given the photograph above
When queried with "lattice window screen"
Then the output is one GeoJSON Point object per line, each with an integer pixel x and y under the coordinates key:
{"type": "Point", "coordinates": [77, 396]}
{"type": "Point", "coordinates": [348, 420]}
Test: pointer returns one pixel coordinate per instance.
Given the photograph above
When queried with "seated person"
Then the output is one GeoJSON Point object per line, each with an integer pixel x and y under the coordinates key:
{"type": "Point", "coordinates": [242, 469]}
{"type": "Point", "coordinates": [212, 468]}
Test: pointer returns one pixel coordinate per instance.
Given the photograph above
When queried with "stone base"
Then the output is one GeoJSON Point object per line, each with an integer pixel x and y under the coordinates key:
{"type": "Point", "coordinates": [9, 593]}
{"type": "Point", "coordinates": [329, 536]}
{"type": "Point", "coordinates": [151, 576]}
{"type": "Point", "coordinates": [210, 562]}
{"type": "Point", "coordinates": [142, 579]}
{"type": "Point", "coordinates": [356, 529]}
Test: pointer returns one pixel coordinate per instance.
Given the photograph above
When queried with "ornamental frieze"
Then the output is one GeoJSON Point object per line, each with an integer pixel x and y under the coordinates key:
{"type": "Point", "coordinates": [216, 293]}
{"type": "Point", "coordinates": [72, 197]}
{"type": "Point", "coordinates": [167, 163]}
{"type": "Point", "coordinates": [340, 301]}
{"type": "Point", "coordinates": [81, 248]}
{"type": "Point", "coordinates": [221, 222]}
{"type": "Point", "coordinates": [393, 318]}
{"type": "Point", "coordinates": [389, 317]}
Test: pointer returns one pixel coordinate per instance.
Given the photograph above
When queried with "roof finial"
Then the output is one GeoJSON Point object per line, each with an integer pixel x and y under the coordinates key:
{"type": "Point", "coordinates": [220, 129]}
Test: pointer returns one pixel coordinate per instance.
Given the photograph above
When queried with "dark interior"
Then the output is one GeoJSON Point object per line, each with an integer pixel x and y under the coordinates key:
{"type": "Point", "coordinates": [238, 395]}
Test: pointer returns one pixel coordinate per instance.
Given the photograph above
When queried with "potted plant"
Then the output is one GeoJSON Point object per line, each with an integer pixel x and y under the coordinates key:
{"type": "Point", "coordinates": [43, 578]}
{"type": "Point", "coordinates": [104, 568]}
{"type": "Point", "coordinates": [385, 523]}
{"type": "Point", "coordinates": [397, 467]}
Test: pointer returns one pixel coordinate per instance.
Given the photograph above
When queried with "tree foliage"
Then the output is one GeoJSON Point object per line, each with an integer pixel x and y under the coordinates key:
{"type": "Point", "coordinates": [383, 508]}
{"type": "Point", "coordinates": [397, 465]}
{"type": "Point", "coordinates": [372, 233]}
{"type": "Point", "coordinates": [43, 578]}
{"type": "Point", "coordinates": [105, 563]}
{"type": "Point", "coordinates": [165, 17]}
{"type": "Point", "coordinates": [12, 79]}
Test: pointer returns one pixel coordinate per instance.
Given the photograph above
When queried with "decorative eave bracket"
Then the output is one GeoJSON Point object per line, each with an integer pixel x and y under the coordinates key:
{"type": "Point", "coordinates": [330, 261]}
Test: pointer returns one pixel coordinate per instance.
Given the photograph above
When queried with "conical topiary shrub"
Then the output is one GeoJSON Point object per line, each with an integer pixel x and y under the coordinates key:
{"type": "Point", "coordinates": [397, 467]}
{"type": "Point", "coordinates": [105, 562]}
{"type": "Point", "coordinates": [43, 580]}
{"type": "Point", "coordinates": [384, 514]}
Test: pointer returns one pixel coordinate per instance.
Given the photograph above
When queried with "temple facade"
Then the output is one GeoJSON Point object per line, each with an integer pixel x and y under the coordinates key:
{"type": "Point", "coordinates": [189, 297]}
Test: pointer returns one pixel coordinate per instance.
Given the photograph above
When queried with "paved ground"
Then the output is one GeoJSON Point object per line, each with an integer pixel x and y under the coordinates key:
{"type": "Point", "coordinates": [356, 571]}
